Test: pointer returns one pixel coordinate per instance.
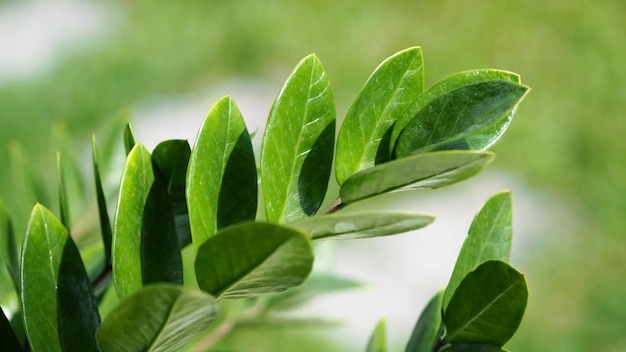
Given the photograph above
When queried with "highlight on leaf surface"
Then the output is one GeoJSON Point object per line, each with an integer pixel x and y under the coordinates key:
{"type": "Point", "coordinates": [363, 139]}
{"type": "Point", "coordinates": [297, 149]}
{"type": "Point", "coordinates": [252, 259]}
{"type": "Point", "coordinates": [221, 179]}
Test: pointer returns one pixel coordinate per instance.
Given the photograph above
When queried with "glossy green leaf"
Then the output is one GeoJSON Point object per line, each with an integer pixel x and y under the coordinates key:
{"type": "Point", "coordinates": [221, 181]}
{"type": "Point", "coordinates": [59, 307]}
{"type": "Point", "coordinates": [447, 120]}
{"type": "Point", "coordinates": [172, 158]}
{"type": "Point", "coordinates": [473, 347]}
{"type": "Point", "coordinates": [363, 139]}
{"type": "Point", "coordinates": [137, 179]}
{"type": "Point", "coordinates": [428, 170]}
{"type": "Point", "coordinates": [378, 339]}
{"type": "Point", "coordinates": [103, 214]}
{"type": "Point", "coordinates": [129, 138]}
{"type": "Point", "coordinates": [253, 259]}
{"type": "Point", "coordinates": [63, 203]}
{"type": "Point", "coordinates": [9, 341]}
{"type": "Point", "coordinates": [498, 293]}
{"type": "Point", "coordinates": [489, 237]}
{"type": "Point", "coordinates": [362, 224]}
{"type": "Point", "coordinates": [444, 87]}
{"type": "Point", "coordinates": [161, 259]}
{"type": "Point", "coordinates": [8, 245]}
{"type": "Point", "coordinates": [429, 328]}
{"type": "Point", "coordinates": [157, 318]}
{"type": "Point", "coordinates": [297, 149]}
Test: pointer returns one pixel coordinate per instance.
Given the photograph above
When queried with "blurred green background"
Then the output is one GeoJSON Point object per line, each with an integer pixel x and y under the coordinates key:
{"type": "Point", "coordinates": [567, 139]}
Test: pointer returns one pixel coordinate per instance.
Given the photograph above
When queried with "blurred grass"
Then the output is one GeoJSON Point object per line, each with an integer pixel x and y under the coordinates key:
{"type": "Point", "coordinates": [567, 139]}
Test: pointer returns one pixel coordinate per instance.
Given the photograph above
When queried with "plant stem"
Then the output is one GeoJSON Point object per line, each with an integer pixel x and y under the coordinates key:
{"type": "Point", "coordinates": [335, 206]}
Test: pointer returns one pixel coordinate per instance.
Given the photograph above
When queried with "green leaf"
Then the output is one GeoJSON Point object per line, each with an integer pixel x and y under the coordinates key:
{"type": "Point", "coordinates": [447, 120]}
{"type": "Point", "coordinates": [429, 327]}
{"type": "Point", "coordinates": [8, 246]}
{"type": "Point", "coordinates": [488, 305]}
{"type": "Point", "coordinates": [428, 170]}
{"type": "Point", "coordinates": [253, 259]}
{"type": "Point", "coordinates": [60, 310]}
{"type": "Point", "coordinates": [9, 341]}
{"type": "Point", "coordinates": [378, 339]}
{"type": "Point", "coordinates": [362, 224]}
{"type": "Point", "coordinates": [172, 158]}
{"type": "Point", "coordinates": [297, 149]}
{"type": "Point", "coordinates": [137, 179]}
{"type": "Point", "coordinates": [63, 204]}
{"type": "Point", "coordinates": [221, 181]}
{"type": "Point", "coordinates": [157, 318]}
{"type": "Point", "coordinates": [363, 139]}
{"type": "Point", "coordinates": [103, 213]}
{"type": "Point", "coordinates": [489, 237]}
{"type": "Point", "coordinates": [161, 259]}
{"type": "Point", "coordinates": [473, 347]}
{"type": "Point", "coordinates": [444, 87]}
{"type": "Point", "coordinates": [129, 138]}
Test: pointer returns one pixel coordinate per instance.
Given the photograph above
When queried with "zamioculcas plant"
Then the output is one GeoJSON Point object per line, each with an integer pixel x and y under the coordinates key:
{"type": "Point", "coordinates": [187, 242]}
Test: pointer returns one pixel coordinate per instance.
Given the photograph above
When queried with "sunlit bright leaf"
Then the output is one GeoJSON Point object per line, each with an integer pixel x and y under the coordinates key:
{"type": "Point", "coordinates": [252, 259]}
{"type": "Point", "coordinates": [362, 224]}
{"type": "Point", "coordinates": [428, 170]}
{"type": "Point", "coordinates": [60, 311]}
{"type": "Point", "coordinates": [489, 237]}
{"type": "Point", "coordinates": [137, 179]}
{"type": "Point", "coordinates": [221, 181]}
{"type": "Point", "coordinates": [363, 139]}
{"type": "Point", "coordinates": [378, 339]}
{"type": "Point", "coordinates": [297, 150]}
{"type": "Point", "coordinates": [157, 318]}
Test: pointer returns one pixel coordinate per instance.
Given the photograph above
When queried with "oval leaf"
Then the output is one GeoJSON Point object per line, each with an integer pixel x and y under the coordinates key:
{"type": "Point", "coordinates": [172, 158]}
{"type": "Point", "coordinates": [157, 318]}
{"type": "Point", "coordinates": [429, 327]}
{"type": "Point", "coordinates": [221, 181]}
{"type": "Point", "coordinates": [137, 179]}
{"type": "Point", "coordinates": [490, 237]}
{"type": "Point", "coordinates": [362, 224]}
{"type": "Point", "coordinates": [458, 114]}
{"type": "Point", "coordinates": [429, 170]}
{"type": "Point", "coordinates": [445, 86]}
{"type": "Point", "coordinates": [297, 150]}
{"type": "Point", "coordinates": [252, 259]}
{"type": "Point", "coordinates": [498, 294]}
{"type": "Point", "coordinates": [103, 213]}
{"type": "Point", "coordinates": [363, 139]}
{"type": "Point", "coordinates": [378, 339]}
{"type": "Point", "coordinates": [54, 284]}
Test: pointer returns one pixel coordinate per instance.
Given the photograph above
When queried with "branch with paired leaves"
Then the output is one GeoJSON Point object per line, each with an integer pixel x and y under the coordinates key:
{"type": "Point", "coordinates": [396, 136]}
